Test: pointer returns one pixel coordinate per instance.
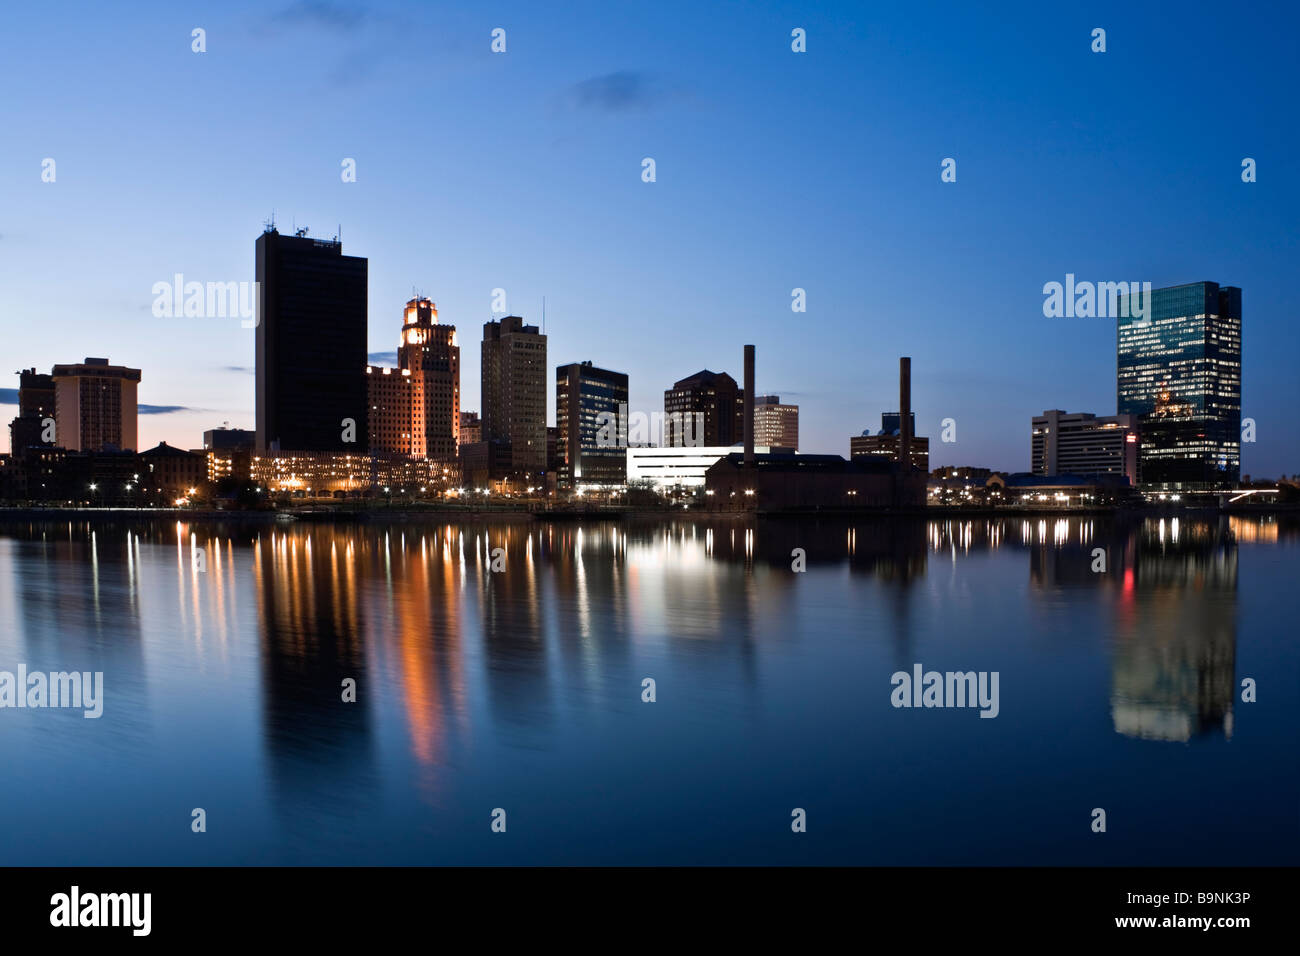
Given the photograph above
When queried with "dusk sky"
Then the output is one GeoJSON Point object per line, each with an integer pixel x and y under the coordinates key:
{"type": "Point", "coordinates": [775, 170]}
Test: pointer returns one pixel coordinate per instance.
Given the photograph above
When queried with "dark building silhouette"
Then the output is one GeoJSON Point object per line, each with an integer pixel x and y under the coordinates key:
{"type": "Point", "coordinates": [228, 439]}
{"type": "Point", "coordinates": [172, 472]}
{"type": "Point", "coordinates": [514, 391]}
{"type": "Point", "coordinates": [779, 482]}
{"type": "Point", "coordinates": [35, 404]}
{"type": "Point", "coordinates": [705, 409]}
{"type": "Point", "coordinates": [311, 345]}
{"type": "Point", "coordinates": [886, 442]}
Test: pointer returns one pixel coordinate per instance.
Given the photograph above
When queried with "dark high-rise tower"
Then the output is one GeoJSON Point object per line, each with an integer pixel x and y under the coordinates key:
{"type": "Point", "coordinates": [591, 435]}
{"type": "Point", "coordinates": [35, 405]}
{"type": "Point", "coordinates": [1179, 371]}
{"type": "Point", "coordinates": [514, 390]}
{"type": "Point", "coordinates": [311, 345]}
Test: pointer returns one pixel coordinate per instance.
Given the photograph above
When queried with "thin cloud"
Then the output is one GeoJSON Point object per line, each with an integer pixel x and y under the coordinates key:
{"type": "Point", "coordinates": [164, 409]}
{"type": "Point", "coordinates": [338, 17]}
{"type": "Point", "coordinates": [619, 92]}
{"type": "Point", "coordinates": [382, 358]}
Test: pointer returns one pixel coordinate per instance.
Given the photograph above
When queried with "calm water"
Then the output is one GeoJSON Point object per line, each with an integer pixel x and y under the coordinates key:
{"type": "Point", "coordinates": [522, 690]}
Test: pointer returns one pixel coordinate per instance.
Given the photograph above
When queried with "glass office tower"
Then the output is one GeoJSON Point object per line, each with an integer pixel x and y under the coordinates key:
{"type": "Point", "coordinates": [1179, 372]}
{"type": "Point", "coordinates": [583, 393]}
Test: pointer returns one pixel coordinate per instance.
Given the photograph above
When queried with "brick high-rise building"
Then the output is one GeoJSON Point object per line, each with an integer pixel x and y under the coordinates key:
{"type": "Point", "coordinates": [775, 425]}
{"type": "Point", "coordinates": [95, 406]}
{"type": "Point", "coordinates": [415, 408]}
{"type": "Point", "coordinates": [705, 409]}
{"type": "Point", "coordinates": [514, 391]}
{"type": "Point", "coordinates": [393, 398]}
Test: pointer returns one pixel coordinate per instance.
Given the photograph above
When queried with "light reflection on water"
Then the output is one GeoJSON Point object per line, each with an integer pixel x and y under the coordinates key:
{"type": "Point", "coordinates": [225, 648]}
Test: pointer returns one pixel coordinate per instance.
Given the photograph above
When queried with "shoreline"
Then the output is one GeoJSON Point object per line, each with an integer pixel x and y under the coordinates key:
{"type": "Point", "coordinates": [18, 515]}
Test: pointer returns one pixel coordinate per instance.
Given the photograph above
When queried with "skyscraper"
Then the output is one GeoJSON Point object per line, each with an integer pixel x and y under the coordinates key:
{"type": "Point", "coordinates": [311, 345]}
{"type": "Point", "coordinates": [415, 408]}
{"type": "Point", "coordinates": [514, 391]}
{"type": "Point", "coordinates": [706, 408]}
{"type": "Point", "coordinates": [775, 425]}
{"type": "Point", "coordinates": [1179, 371]}
{"type": "Point", "coordinates": [390, 420]}
{"type": "Point", "coordinates": [95, 406]}
{"type": "Point", "coordinates": [591, 441]}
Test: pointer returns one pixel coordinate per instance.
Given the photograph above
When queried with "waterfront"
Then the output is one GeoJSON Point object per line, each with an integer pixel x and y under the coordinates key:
{"type": "Point", "coordinates": [521, 689]}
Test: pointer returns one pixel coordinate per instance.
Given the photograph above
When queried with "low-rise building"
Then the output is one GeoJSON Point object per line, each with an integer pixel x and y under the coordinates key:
{"type": "Point", "coordinates": [173, 473]}
{"type": "Point", "coordinates": [826, 483]}
{"type": "Point", "coordinates": [885, 443]}
{"type": "Point", "coordinates": [677, 467]}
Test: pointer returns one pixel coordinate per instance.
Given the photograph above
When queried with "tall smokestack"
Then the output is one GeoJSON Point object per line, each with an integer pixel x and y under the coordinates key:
{"type": "Point", "coordinates": [905, 411]}
{"type": "Point", "coordinates": [749, 405]}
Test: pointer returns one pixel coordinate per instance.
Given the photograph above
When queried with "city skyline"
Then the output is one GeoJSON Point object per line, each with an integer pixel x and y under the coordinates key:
{"type": "Point", "coordinates": [687, 434]}
{"type": "Point", "coordinates": [660, 279]}
{"type": "Point", "coordinates": [1183, 347]}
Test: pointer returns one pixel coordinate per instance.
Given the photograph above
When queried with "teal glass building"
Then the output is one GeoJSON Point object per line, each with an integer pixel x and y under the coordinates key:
{"type": "Point", "coordinates": [1179, 372]}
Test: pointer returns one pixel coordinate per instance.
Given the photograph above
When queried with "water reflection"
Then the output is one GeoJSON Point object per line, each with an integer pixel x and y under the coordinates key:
{"type": "Point", "coordinates": [1171, 585]}
{"type": "Point", "coordinates": [313, 630]}
{"type": "Point", "coordinates": [493, 654]}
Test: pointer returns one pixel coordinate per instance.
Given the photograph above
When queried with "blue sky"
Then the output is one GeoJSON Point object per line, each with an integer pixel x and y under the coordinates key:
{"type": "Point", "coordinates": [775, 170]}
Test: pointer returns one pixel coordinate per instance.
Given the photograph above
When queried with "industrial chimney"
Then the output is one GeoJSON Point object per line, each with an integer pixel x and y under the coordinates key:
{"type": "Point", "coordinates": [749, 406]}
{"type": "Point", "coordinates": [905, 412]}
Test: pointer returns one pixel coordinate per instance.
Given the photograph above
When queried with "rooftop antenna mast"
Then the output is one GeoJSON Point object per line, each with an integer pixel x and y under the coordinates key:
{"type": "Point", "coordinates": [543, 315]}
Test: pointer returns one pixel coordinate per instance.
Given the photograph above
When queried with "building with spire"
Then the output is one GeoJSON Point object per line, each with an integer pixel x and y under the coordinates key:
{"type": "Point", "coordinates": [414, 409]}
